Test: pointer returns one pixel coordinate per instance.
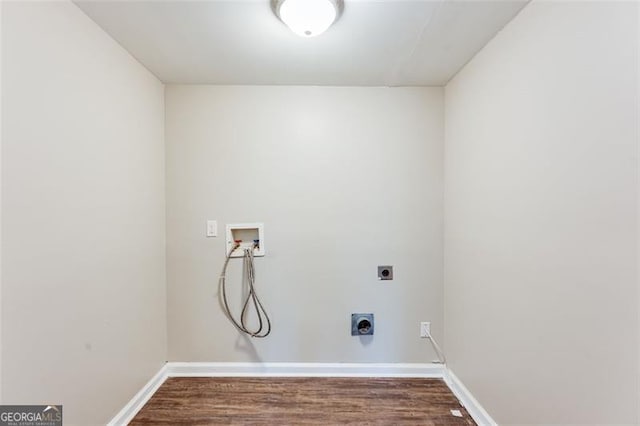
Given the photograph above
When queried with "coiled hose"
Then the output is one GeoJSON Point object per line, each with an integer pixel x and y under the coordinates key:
{"type": "Point", "coordinates": [264, 323]}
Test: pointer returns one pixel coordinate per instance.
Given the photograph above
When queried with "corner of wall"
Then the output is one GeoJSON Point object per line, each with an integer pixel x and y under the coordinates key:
{"type": "Point", "coordinates": [1, 102]}
{"type": "Point", "coordinates": [638, 195]}
{"type": "Point", "coordinates": [518, 103]}
{"type": "Point", "coordinates": [99, 140]}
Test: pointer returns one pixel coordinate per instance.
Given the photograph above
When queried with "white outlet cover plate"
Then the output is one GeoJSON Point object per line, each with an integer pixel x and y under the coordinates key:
{"type": "Point", "coordinates": [212, 228]}
{"type": "Point", "coordinates": [425, 329]}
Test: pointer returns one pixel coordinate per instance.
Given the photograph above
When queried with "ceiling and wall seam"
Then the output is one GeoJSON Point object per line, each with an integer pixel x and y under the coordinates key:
{"type": "Point", "coordinates": [373, 43]}
{"type": "Point", "coordinates": [488, 41]}
{"type": "Point", "coordinates": [75, 3]}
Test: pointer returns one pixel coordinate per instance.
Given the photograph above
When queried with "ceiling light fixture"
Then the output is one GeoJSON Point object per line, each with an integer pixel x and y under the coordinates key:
{"type": "Point", "coordinates": [307, 18]}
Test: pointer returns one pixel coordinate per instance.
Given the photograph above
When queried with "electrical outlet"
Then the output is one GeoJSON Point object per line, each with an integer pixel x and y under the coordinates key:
{"type": "Point", "coordinates": [385, 273]}
{"type": "Point", "coordinates": [212, 228]}
{"type": "Point", "coordinates": [425, 329]}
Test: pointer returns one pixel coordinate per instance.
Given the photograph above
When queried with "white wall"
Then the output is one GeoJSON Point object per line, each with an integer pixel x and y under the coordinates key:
{"type": "Point", "coordinates": [344, 179]}
{"type": "Point", "coordinates": [637, 70]}
{"type": "Point", "coordinates": [83, 278]}
{"type": "Point", "coordinates": [1, 133]}
{"type": "Point", "coordinates": [541, 163]}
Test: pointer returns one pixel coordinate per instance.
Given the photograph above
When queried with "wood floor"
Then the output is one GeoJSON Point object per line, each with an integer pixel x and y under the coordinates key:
{"type": "Point", "coordinates": [302, 401]}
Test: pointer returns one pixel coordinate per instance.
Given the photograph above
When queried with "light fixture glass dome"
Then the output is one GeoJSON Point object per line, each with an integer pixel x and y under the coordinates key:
{"type": "Point", "coordinates": [308, 18]}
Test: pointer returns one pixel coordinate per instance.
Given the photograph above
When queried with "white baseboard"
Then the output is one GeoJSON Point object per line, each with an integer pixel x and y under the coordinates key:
{"type": "Point", "coordinates": [288, 369]}
{"type": "Point", "coordinates": [137, 402]}
{"type": "Point", "coordinates": [472, 405]}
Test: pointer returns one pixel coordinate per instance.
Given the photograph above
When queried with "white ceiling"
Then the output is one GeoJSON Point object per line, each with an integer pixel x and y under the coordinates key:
{"type": "Point", "coordinates": [373, 43]}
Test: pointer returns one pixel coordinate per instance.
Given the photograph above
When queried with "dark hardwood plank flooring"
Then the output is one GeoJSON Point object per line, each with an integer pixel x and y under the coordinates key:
{"type": "Point", "coordinates": [302, 401]}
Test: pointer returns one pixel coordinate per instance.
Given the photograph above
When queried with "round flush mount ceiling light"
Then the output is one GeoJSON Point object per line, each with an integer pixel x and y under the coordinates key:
{"type": "Point", "coordinates": [307, 18]}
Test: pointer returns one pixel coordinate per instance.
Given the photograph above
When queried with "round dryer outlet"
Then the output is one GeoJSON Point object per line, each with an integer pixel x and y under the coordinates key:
{"type": "Point", "coordinates": [361, 324]}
